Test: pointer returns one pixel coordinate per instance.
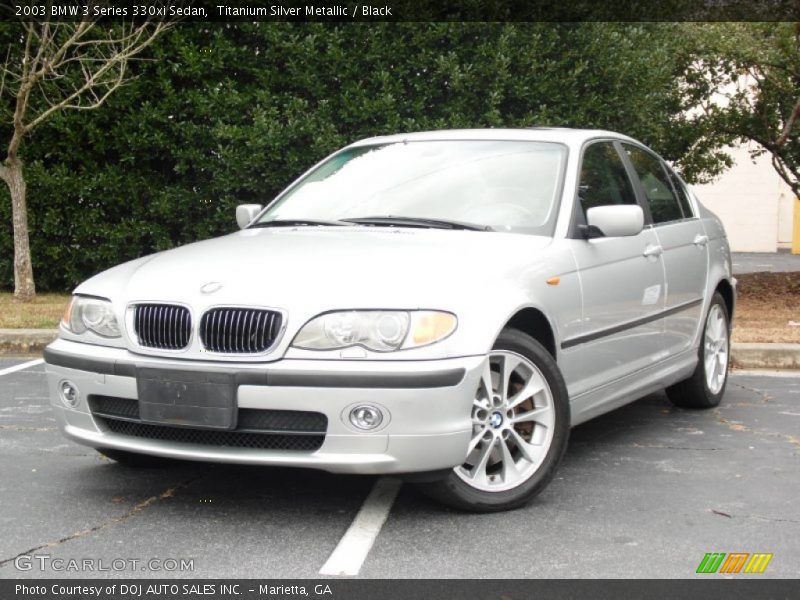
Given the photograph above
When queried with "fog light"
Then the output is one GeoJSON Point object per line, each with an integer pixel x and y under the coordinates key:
{"type": "Point", "coordinates": [69, 394]}
{"type": "Point", "coordinates": [366, 416]}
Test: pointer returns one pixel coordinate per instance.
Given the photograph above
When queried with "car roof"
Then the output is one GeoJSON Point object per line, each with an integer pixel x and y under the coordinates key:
{"type": "Point", "coordinates": [564, 135]}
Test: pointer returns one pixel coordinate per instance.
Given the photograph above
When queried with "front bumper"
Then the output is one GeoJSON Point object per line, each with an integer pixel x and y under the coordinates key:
{"type": "Point", "coordinates": [428, 404]}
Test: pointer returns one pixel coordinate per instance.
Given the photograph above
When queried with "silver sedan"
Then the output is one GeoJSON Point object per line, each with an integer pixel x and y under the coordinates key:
{"type": "Point", "coordinates": [441, 305]}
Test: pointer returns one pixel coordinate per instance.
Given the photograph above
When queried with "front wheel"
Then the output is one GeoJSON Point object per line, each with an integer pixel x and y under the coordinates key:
{"type": "Point", "coordinates": [520, 427]}
{"type": "Point", "coordinates": [706, 386]}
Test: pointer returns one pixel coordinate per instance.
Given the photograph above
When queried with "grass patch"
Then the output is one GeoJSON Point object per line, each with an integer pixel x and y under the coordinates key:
{"type": "Point", "coordinates": [768, 308]}
{"type": "Point", "coordinates": [43, 313]}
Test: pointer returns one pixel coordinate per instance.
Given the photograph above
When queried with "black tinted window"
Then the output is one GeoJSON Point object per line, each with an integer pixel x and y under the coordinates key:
{"type": "Point", "coordinates": [657, 188]}
{"type": "Point", "coordinates": [604, 180]}
{"type": "Point", "coordinates": [683, 195]}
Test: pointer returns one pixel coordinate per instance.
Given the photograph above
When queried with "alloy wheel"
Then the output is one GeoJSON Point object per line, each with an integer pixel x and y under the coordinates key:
{"type": "Point", "coordinates": [715, 354]}
{"type": "Point", "coordinates": [513, 418]}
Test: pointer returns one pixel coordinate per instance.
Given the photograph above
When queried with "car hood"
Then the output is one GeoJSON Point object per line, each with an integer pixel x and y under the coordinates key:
{"type": "Point", "coordinates": [323, 267]}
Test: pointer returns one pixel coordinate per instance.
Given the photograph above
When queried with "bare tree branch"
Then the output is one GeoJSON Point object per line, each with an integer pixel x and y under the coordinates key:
{"type": "Point", "coordinates": [787, 128]}
{"type": "Point", "coordinates": [30, 33]}
{"type": "Point", "coordinates": [5, 72]}
{"type": "Point", "coordinates": [61, 66]}
{"type": "Point", "coordinates": [108, 74]}
{"type": "Point", "coordinates": [785, 175]}
{"type": "Point", "coordinates": [97, 56]}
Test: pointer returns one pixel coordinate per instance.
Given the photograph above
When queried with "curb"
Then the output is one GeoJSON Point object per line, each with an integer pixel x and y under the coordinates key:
{"type": "Point", "coordinates": [743, 356]}
{"type": "Point", "coordinates": [25, 341]}
{"type": "Point", "coordinates": [765, 356]}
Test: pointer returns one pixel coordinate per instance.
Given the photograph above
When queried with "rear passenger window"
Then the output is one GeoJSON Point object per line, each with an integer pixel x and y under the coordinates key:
{"type": "Point", "coordinates": [658, 190]}
{"type": "Point", "coordinates": [604, 180]}
{"type": "Point", "coordinates": [683, 195]}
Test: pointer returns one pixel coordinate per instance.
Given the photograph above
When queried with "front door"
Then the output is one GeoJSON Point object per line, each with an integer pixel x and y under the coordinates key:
{"type": "Point", "coordinates": [622, 281]}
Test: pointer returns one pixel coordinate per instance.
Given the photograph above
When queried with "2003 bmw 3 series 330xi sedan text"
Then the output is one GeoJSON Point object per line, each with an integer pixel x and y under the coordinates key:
{"type": "Point", "coordinates": [442, 305]}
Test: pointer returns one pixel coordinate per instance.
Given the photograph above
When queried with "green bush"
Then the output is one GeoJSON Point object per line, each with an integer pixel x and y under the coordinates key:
{"type": "Point", "coordinates": [230, 113]}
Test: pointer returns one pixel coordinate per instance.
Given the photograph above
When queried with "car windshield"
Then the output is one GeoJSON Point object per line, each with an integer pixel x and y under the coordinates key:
{"type": "Point", "coordinates": [498, 185]}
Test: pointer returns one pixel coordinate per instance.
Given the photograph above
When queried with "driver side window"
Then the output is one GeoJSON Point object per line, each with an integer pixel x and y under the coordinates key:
{"type": "Point", "coordinates": [604, 180]}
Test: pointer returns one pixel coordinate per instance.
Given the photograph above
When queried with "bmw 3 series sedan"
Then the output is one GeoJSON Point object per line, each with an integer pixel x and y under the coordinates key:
{"type": "Point", "coordinates": [443, 306]}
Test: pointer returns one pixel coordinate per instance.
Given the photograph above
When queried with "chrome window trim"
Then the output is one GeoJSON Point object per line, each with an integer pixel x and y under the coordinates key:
{"type": "Point", "coordinates": [672, 222]}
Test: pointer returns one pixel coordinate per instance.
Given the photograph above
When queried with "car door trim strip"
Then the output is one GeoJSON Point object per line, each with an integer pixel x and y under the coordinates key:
{"type": "Point", "coordinates": [596, 335]}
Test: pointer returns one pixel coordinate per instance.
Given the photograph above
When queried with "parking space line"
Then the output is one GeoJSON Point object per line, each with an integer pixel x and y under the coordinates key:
{"type": "Point", "coordinates": [20, 367]}
{"type": "Point", "coordinates": [352, 550]}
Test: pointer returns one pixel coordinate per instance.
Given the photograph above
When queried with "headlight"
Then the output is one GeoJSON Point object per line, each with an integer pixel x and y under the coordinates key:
{"type": "Point", "coordinates": [92, 314]}
{"type": "Point", "coordinates": [379, 330]}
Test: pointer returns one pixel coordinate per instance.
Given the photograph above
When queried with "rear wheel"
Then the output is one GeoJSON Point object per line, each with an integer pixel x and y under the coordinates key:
{"type": "Point", "coordinates": [520, 427]}
{"type": "Point", "coordinates": [136, 461]}
{"type": "Point", "coordinates": [706, 386]}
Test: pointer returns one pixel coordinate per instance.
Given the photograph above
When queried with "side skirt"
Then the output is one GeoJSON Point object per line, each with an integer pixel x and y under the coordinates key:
{"type": "Point", "coordinates": [630, 388]}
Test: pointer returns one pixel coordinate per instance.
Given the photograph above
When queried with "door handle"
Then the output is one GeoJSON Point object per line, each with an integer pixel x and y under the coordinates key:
{"type": "Point", "coordinates": [653, 250]}
{"type": "Point", "coordinates": [700, 240]}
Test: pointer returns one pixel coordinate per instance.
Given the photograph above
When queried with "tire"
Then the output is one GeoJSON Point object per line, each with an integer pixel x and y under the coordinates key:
{"type": "Point", "coordinates": [700, 390]}
{"type": "Point", "coordinates": [134, 460]}
{"type": "Point", "coordinates": [495, 487]}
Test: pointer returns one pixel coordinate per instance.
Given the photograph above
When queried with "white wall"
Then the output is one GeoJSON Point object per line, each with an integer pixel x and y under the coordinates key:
{"type": "Point", "coordinates": [785, 219]}
{"type": "Point", "coordinates": [754, 203]}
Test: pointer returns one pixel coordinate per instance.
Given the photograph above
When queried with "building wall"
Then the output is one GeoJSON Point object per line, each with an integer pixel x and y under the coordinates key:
{"type": "Point", "coordinates": [754, 203]}
{"type": "Point", "coordinates": [785, 223]}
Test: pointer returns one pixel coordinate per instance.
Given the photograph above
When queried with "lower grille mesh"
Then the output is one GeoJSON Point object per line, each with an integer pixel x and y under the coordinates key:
{"type": "Point", "coordinates": [113, 406]}
{"type": "Point", "coordinates": [282, 420]}
{"type": "Point", "coordinates": [229, 439]}
{"type": "Point", "coordinates": [262, 429]}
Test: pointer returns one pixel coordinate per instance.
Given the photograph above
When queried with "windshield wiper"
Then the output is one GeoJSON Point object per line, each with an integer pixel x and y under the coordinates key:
{"type": "Point", "coordinates": [295, 223]}
{"type": "Point", "coordinates": [391, 220]}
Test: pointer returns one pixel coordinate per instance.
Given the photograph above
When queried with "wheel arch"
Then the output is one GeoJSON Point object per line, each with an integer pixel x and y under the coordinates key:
{"type": "Point", "coordinates": [726, 290]}
{"type": "Point", "coordinates": [534, 322]}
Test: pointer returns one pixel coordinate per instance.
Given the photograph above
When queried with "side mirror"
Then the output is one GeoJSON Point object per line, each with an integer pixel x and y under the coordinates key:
{"type": "Point", "coordinates": [617, 220]}
{"type": "Point", "coordinates": [245, 213]}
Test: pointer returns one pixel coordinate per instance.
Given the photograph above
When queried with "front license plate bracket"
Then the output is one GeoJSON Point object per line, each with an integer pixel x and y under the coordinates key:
{"type": "Point", "coordinates": [187, 398]}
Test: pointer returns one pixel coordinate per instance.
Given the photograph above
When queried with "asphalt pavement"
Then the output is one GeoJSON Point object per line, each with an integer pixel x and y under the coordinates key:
{"type": "Point", "coordinates": [644, 491]}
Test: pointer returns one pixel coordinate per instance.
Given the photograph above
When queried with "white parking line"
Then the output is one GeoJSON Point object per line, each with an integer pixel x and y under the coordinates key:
{"type": "Point", "coordinates": [25, 365]}
{"type": "Point", "coordinates": [352, 550]}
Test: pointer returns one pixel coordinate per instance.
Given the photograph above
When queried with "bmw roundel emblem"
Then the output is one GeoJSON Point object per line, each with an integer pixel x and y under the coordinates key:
{"type": "Point", "coordinates": [210, 287]}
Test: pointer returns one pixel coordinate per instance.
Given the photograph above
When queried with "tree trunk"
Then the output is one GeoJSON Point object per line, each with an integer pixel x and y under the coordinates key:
{"type": "Point", "coordinates": [24, 287]}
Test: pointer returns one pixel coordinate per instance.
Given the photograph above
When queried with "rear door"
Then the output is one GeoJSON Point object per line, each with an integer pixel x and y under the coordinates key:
{"type": "Point", "coordinates": [622, 280]}
{"type": "Point", "coordinates": [683, 242]}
